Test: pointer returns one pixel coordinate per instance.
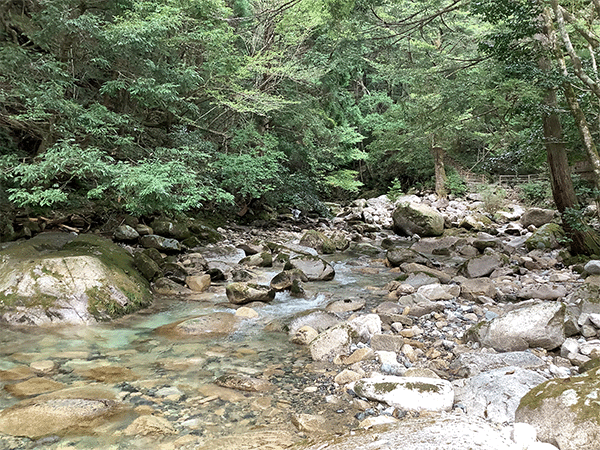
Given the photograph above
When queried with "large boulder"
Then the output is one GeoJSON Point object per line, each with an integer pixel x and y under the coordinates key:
{"type": "Point", "coordinates": [537, 325]}
{"type": "Point", "coordinates": [407, 393]}
{"type": "Point", "coordinates": [416, 218]}
{"type": "Point", "coordinates": [495, 395]}
{"type": "Point", "coordinates": [315, 268]}
{"type": "Point", "coordinates": [59, 278]}
{"type": "Point", "coordinates": [548, 236]}
{"type": "Point", "coordinates": [332, 342]}
{"type": "Point", "coordinates": [400, 255]}
{"type": "Point", "coordinates": [241, 293]}
{"type": "Point", "coordinates": [538, 217]}
{"type": "Point", "coordinates": [565, 412]}
{"type": "Point", "coordinates": [65, 412]}
{"type": "Point", "coordinates": [318, 241]}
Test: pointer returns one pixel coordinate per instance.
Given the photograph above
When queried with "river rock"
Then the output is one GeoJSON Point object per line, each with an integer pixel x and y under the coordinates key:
{"type": "Point", "coordinates": [342, 306]}
{"type": "Point", "coordinates": [244, 383]}
{"type": "Point", "coordinates": [318, 241]}
{"type": "Point", "coordinates": [416, 218]}
{"type": "Point", "coordinates": [482, 266]}
{"type": "Point", "coordinates": [477, 222]}
{"type": "Point", "coordinates": [548, 236]}
{"type": "Point", "coordinates": [565, 412]}
{"type": "Point", "coordinates": [473, 288]}
{"type": "Point", "coordinates": [319, 320]}
{"type": "Point", "coordinates": [242, 293]}
{"type": "Point", "coordinates": [365, 326]}
{"type": "Point", "coordinates": [495, 395]}
{"type": "Point", "coordinates": [149, 425]}
{"type": "Point", "coordinates": [407, 393]}
{"type": "Point", "coordinates": [304, 335]}
{"type": "Point", "coordinates": [545, 291]}
{"type": "Point", "coordinates": [471, 364]}
{"type": "Point", "coordinates": [285, 280]}
{"type": "Point", "coordinates": [313, 267]}
{"type": "Point", "coordinates": [387, 343]}
{"type": "Point", "coordinates": [68, 411]}
{"type": "Point", "coordinates": [59, 278]}
{"type": "Point", "coordinates": [207, 326]}
{"type": "Point", "coordinates": [263, 259]}
{"type": "Point", "coordinates": [110, 374]}
{"type": "Point", "coordinates": [125, 233]}
{"type": "Point", "coordinates": [439, 291]}
{"type": "Point", "coordinates": [592, 267]}
{"type": "Point", "coordinates": [449, 431]}
{"type": "Point", "coordinates": [442, 277]}
{"type": "Point", "coordinates": [161, 243]}
{"type": "Point", "coordinates": [332, 342]}
{"type": "Point", "coordinates": [340, 240]}
{"type": "Point", "coordinates": [537, 217]}
{"type": "Point", "coordinates": [538, 325]}
{"type": "Point", "coordinates": [198, 283]}
{"type": "Point", "coordinates": [33, 386]}
{"type": "Point", "coordinates": [147, 266]}
{"type": "Point", "coordinates": [399, 255]}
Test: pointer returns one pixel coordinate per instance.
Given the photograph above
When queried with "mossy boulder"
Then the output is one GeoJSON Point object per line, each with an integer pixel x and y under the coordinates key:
{"type": "Point", "coordinates": [565, 412]}
{"type": "Point", "coordinates": [315, 268]}
{"type": "Point", "coordinates": [263, 259]}
{"type": "Point", "coordinates": [416, 218]}
{"type": "Point", "coordinates": [548, 236]}
{"type": "Point", "coordinates": [318, 241]}
{"type": "Point", "coordinates": [241, 293]}
{"type": "Point", "coordinates": [59, 278]}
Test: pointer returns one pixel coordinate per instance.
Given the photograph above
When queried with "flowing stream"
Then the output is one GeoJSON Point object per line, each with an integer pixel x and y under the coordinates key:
{"type": "Point", "coordinates": [174, 378]}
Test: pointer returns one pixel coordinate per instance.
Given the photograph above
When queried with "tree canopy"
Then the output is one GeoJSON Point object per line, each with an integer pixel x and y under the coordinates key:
{"type": "Point", "coordinates": [180, 105]}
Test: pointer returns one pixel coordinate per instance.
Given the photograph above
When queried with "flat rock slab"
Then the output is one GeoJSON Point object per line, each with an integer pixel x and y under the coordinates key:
{"type": "Point", "coordinates": [408, 393]}
{"type": "Point", "coordinates": [444, 432]}
{"type": "Point", "coordinates": [207, 326]}
{"type": "Point", "coordinates": [471, 364]}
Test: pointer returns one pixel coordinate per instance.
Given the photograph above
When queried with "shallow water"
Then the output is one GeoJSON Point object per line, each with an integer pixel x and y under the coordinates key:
{"type": "Point", "coordinates": [174, 378]}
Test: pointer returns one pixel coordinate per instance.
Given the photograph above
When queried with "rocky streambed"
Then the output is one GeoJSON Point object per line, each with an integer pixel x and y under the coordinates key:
{"type": "Point", "coordinates": [470, 331]}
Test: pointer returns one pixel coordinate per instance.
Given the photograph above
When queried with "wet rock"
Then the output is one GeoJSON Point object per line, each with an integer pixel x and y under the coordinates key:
{"type": "Point", "coordinates": [285, 280]}
{"type": "Point", "coordinates": [33, 386]}
{"type": "Point", "coordinates": [161, 243]}
{"type": "Point", "coordinates": [407, 393]}
{"type": "Point", "coordinates": [537, 217]}
{"type": "Point", "coordinates": [304, 335]}
{"type": "Point", "coordinates": [341, 306]}
{"type": "Point", "coordinates": [399, 255]}
{"type": "Point", "coordinates": [68, 411]}
{"type": "Point", "coordinates": [143, 230]}
{"type": "Point", "coordinates": [207, 326]}
{"type": "Point", "coordinates": [495, 395]}
{"type": "Point", "coordinates": [148, 425]}
{"type": "Point", "coordinates": [319, 320]}
{"type": "Point", "coordinates": [223, 254]}
{"type": "Point", "coordinates": [44, 367]}
{"type": "Point", "coordinates": [244, 383]}
{"type": "Point", "coordinates": [538, 325]}
{"type": "Point", "coordinates": [419, 268]}
{"type": "Point", "coordinates": [111, 374]}
{"type": "Point", "coordinates": [164, 286]}
{"type": "Point", "coordinates": [318, 241]}
{"type": "Point", "coordinates": [415, 218]}
{"type": "Point", "coordinates": [313, 267]}
{"type": "Point", "coordinates": [198, 283]}
{"type": "Point", "coordinates": [53, 279]}
{"type": "Point", "coordinates": [331, 342]}
{"type": "Point", "coordinates": [310, 423]}
{"type": "Point", "coordinates": [263, 259]}
{"type": "Point", "coordinates": [340, 241]}
{"type": "Point", "coordinates": [125, 233]}
{"type": "Point", "coordinates": [565, 412]}
{"type": "Point", "coordinates": [241, 293]}
{"type": "Point", "coordinates": [175, 271]}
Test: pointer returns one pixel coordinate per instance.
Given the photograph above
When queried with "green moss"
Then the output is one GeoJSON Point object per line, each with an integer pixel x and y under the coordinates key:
{"type": "Point", "coordinates": [384, 388]}
{"type": "Point", "coordinates": [586, 389]}
{"type": "Point", "coordinates": [422, 387]}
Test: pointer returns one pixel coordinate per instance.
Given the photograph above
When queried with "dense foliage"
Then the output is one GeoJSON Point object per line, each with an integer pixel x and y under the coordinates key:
{"type": "Point", "coordinates": [180, 105]}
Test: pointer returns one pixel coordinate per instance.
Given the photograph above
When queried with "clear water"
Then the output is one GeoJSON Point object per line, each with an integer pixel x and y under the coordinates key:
{"type": "Point", "coordinates": [190, 365]}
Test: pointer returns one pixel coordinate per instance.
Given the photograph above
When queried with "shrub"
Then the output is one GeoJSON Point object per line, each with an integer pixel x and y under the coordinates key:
{"type": "Point", "coordinates": [535, 193]}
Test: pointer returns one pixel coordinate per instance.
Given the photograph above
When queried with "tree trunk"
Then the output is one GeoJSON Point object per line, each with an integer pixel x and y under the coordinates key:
{"type": "Point", "coordinates": [440, 171]}
{"type": "Point", "coordinates": [583, 238]}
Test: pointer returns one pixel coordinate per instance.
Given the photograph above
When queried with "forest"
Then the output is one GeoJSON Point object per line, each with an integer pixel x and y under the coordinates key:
{"type": "Point", "coordinates": [241, 106]}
